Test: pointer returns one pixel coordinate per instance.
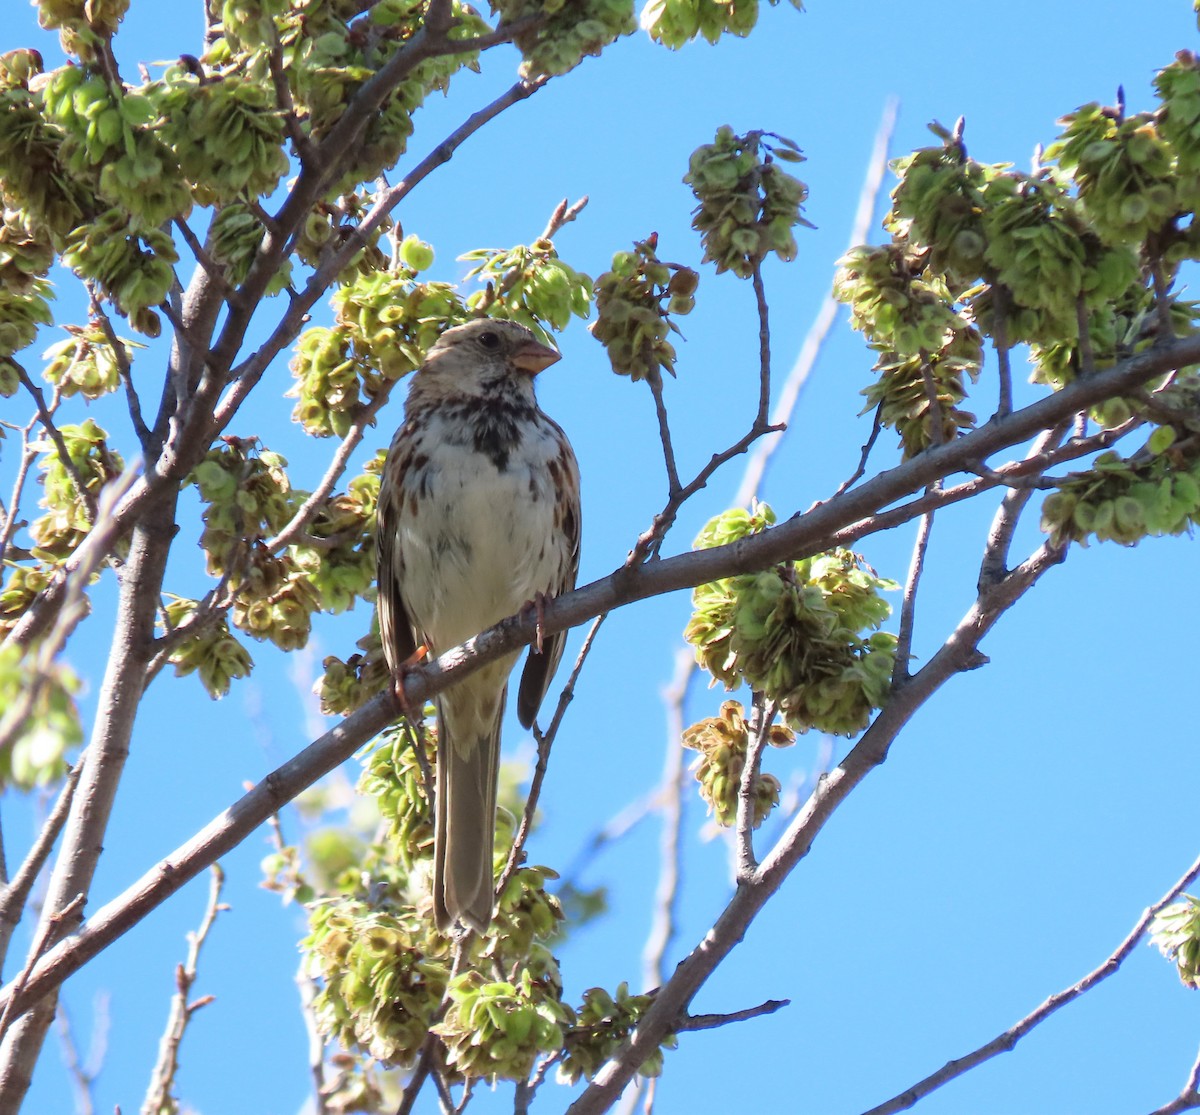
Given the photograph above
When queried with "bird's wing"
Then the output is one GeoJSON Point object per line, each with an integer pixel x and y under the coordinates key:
{"type": "Point", "coordinates": [540, 667]}
{"type": "Point", "coordinates": [395, 625]}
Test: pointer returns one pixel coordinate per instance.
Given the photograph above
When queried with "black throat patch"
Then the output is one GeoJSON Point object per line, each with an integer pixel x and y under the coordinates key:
{"type": "Point", "coordinates": [494, 424]}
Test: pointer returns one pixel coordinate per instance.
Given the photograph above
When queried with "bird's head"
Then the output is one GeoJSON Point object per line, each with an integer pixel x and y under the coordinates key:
{"type": "Point", "coordinates": [484, 357]}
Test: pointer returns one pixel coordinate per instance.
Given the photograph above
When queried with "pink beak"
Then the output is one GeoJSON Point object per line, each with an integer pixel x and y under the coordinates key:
{"type": "Point", "coordinates": [533, 357]}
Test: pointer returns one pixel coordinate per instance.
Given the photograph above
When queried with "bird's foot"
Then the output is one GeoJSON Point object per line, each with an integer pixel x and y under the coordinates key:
{"type": "Point", "coordinates": [538, 604]}
{"type": "Point", "coordinates": [415, 659]}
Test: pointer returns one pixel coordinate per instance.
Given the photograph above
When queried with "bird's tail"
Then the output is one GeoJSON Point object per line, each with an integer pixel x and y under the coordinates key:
{"type": "Point", "coordinates": [468, 764]}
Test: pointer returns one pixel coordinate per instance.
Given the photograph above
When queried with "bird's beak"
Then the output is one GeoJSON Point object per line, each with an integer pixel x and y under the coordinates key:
{"type": "Point", "coordinates": [532, 358]}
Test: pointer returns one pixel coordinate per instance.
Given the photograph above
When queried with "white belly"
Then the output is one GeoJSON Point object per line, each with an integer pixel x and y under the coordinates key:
{"type": "Point", "coordinates": [490, 547]}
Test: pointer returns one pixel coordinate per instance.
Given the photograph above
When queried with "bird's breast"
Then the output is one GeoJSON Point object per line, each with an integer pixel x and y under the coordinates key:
{"type": "Point", "coordinates": [479, 540]}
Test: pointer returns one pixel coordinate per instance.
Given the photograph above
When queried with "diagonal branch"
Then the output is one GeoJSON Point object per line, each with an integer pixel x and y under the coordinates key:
{"type": "Point", "coordinates": [958, 653]}
{"type": "Point", "coordinates": [848, 516]}
{"type": "Point", "coordinates": [1005, 1042]}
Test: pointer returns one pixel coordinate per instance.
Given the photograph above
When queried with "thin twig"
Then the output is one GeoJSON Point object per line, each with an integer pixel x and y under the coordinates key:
{"type": "Point", "coordinates": [1004, 402]}
{"type": "Point", "coordinates": [46, 418]}
{"type": "Point", "coordinates": [162, 1079]}
{"type": "Point", "coordinates": [527, 1089]}
{"type": "Point", "coordinates": [818, 333]}
{"type": "Point", "coordinates": [669, 802]}
{"type": "Point", "coordinates": [712, 1021]}
{"type": "Point", "coordinates": [654, 379]}
{"type": "Point", "coordinates": [16, 893]}
{"type": "Point", "coordinates": [650, 540]}
{"type": "Point", "coordinates": [760, 729]}
{"type": "Point", "coordinates": [544, 742]}
{"type": "Point", "coordinates": [904, 638]}
{"type": "Point", "coordinates": [1006, 1041]}
{"type": "Point", "coordinates": [563, 214]}
{"type": "Point", "coordinates": [124, 368]}
{"type": "Point", "coordinates": [1187, 1099]}
{"type": "Point", "coordinates": [849, 517]}
{"type": "Point", "coordinates": [307, 987]}
{"type": "Point", "coordinates": [864, 456]}
{"type": "Point", "coordinates": [28, 456]}
{"type": "Point", "coordinates": [45, 937]}
{"type": "Point", "coordinates": [84, 1073]}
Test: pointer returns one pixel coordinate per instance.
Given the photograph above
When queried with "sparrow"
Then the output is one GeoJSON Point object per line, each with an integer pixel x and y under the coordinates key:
{"type": "Point", "coordinates": [478, 517]}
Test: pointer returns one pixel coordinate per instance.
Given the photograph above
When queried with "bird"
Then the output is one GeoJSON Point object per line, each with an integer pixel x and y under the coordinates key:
{"type": "Point", "coordinates": [478, 517]}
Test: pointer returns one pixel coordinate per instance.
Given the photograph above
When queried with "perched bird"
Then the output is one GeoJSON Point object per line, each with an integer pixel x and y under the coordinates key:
{"type": "Point", "coordinates": [478, 517]}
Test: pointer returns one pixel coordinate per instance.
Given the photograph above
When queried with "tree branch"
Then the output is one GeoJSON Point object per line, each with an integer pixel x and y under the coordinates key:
{"type": "Point", "coordinates": [1005, 1042]}
{"type": "Point", "coordinates": [663, 926]}
{"type": "Point", "coordinates": [814, 341]}
{"type": "Point", "coordinates": [957, 654]}
{"type": "Point", "coordinates": [16, 894]}
{"type": "Point", "coordinates": [162, 1079]}
{"type": "Point", "coordinates": [846, 517]}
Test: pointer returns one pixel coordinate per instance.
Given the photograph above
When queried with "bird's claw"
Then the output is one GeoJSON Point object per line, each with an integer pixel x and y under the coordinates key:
{"type": "Point", "coordinates": [415, 659]}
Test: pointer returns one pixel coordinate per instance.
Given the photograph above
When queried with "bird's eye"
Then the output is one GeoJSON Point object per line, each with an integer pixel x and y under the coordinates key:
{"type": "Point", "coordinates": [490, 340]}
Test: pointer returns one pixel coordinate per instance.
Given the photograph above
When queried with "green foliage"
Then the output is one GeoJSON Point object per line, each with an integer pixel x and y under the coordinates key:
{"type": "Point", "coordinates": [797, 632]}
{"type": "Point", "coordinates": [1123, 499]}
{"type": "Point", "coordinates": [274, 595]}
{"type": "Point", "coordinates": [131, 263]}
{"type": "Point", "coordinates": [110, 143]}
{"type": "Point", "coordinates": [1176, 932]}
{"type": "Point", "coordinates": [529, 284]}
{"type": "Point", "coordinates": [566, 32]}
{"type": "Point", "coordinates": [21, 588]}
{"type": "Point", "coordinates": [392, 777]}
{"type": "Point", "coordinates": [210, 651]}
{"type": "Point", "coordinates": [903, 311]}
{"type": "Point", "coordinates": [21, 313]}
{"type": "Point", "coordinates": [723, 742]}
{"type": "Point", "coordinates": [386, 321]}
{"type": "Point", "coordinates": [68, 517]}
{"type": "Point", "coordinates": [347, 685]}
{"type": "Point", "coordinates": [385, 972]}
{"type": "Point", "coordinates": [748, 205]}
{"type": "Point", "coordinates": [495, 1029]}
{"type": "Point", "coordinates": [603, 1023]}
{"type": "Point", "coordinates": [85, 363]}
{"type": "Point", "coordinates": [1123, 169]}
{"type": "Point", "coordinates": [235, 236]}
{"type": "Point", "coordinates": [227, 134]}
{"type": "Point", "coordinates": [983, 252]}
{"type": "Point", "coordinates": [634, 304]}
{"type": "Point", "coordinates": [675, 22]}
{"type": "Point", "coordinates": [37, 755]}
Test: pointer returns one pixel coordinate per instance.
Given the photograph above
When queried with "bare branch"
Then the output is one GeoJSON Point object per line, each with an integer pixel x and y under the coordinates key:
{"type": "Point", "coordinates": [46, 418]}
{"type": "Point", "coordinates": [712, 1021]}
{"type": "Point", "coordinates": [845, 518]}
{"type": "Point", "coordinates": [669, 801]}
{"type": "Point", "coordinates": [1187, 1099]}
{"type": "Point", "coordinates": [900, 671]}
{"type": "Point", "coordinates": [544, 742]}
{"type": "Point", "coordinates": [760, 729]}
{"type": "Point", "coordinates": [1005, 1042]}
{"type": "Point", "coordinates": [650, 540]}
{"type": "Point", "coordinates": [162, 1079]}
{"type": "Point", "coordinates": [45, 937]}
{"type": "Point", "coordinates": [16, 893]}
{"type": "Point", "coordinates": [958, 653]}
{"type": "Point", "coordinates": [864, 456]}
{"type": "Point", "coordinates": [818, 333]}
{"type": "Point", "coordinates": [654, 379]}
{"type": "Point", "coordinates": [562, 215]}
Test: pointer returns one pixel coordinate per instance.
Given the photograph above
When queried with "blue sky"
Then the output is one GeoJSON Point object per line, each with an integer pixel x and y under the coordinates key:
{"type": "Point", "coordinates": [1025, 817]}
